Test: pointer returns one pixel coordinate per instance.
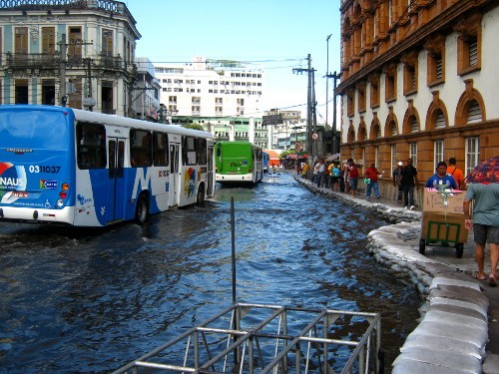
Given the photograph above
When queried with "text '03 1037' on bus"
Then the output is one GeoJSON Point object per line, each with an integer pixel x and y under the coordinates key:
{"type": "Point", "coordinates": [238, 162]}
{"type": "Point", "coordinates": [90, 169]}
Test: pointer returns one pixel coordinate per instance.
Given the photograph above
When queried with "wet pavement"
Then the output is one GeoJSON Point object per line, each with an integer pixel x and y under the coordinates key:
{"type": "Point", "coordinates": [459, 325]}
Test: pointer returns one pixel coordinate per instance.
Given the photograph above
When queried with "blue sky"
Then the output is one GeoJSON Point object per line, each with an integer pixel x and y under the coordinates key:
{"type": "Point", "coordinates": [275, 35]}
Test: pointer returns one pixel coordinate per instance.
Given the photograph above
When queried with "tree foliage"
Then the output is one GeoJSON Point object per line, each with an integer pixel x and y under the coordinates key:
{"type": "Point", "coordinates": [193, 126]}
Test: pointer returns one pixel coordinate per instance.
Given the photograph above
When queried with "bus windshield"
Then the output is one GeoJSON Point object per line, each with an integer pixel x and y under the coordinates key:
{"type": "Point", "coordinates": [33, 129]}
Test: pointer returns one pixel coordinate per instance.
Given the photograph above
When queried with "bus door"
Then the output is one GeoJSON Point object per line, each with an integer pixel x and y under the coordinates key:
{"type": "Point", "coordinates": [174, 173]}
{"type": "Point", "coordinates": [211, 172]}
{"type": "Point", "coordinates": [116, 185]}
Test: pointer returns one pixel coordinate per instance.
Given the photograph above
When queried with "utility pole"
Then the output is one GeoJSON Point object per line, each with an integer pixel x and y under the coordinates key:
{"type": "Point", "coordinates": [62, 88]}
{"type": "Point", "coordinates": [335, 145]}
{"type": "Point", "coordinates": [89, 73]}
{"type": "Point", "coordinates": [327, 79]}
{"type": "Point", "coordinates": [311, 116]}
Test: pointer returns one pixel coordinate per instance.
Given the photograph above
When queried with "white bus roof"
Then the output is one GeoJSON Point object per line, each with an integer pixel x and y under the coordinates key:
{"type": "Point", "coordinates": [94, 117]}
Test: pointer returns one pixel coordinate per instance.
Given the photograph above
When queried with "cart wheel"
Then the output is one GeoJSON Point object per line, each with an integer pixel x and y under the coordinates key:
{"type": "Point", "coordinates": [459, 250]}
{"type": "Point", "coordinates": [422, 246]}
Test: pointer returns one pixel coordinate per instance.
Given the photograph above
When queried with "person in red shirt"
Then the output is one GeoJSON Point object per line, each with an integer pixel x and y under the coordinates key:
{"type": "Point", "coordinates": [353, 176]}
{"type": "Point", "coordinates": [371, 180]}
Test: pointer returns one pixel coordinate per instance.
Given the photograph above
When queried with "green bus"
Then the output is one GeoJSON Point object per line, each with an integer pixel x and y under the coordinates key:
{"type": "Point", "coordinates": [238, 162]}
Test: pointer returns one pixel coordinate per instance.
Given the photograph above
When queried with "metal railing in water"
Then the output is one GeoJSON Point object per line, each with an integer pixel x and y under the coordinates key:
{"type": "Point", "coordinates": [257, 338]}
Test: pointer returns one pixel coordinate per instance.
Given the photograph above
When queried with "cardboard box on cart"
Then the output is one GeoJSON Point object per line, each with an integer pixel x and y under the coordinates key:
{"type": "Point", "coordinates": [436, 212]}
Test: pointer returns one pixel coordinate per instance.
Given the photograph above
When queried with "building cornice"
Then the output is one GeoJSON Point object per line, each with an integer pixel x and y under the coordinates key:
{"type": "Point", "coordinates": [443, 21]}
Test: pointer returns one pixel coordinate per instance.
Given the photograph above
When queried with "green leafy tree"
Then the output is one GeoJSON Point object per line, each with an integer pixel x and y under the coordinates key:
{"type": "Point", "coordinates": [193, 126]}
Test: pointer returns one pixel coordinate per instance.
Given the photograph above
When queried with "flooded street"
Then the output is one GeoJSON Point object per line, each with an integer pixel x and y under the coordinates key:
{"type": "Point", "coordinates": [93, 300]}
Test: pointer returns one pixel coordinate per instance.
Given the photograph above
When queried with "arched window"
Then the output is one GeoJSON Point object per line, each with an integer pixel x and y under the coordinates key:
{"type": "Point", "coordinates": [474, 112]}
{"type": "Point", "coordinates": [393, 128]}
{"type": "Point", "coordinates": [362, 133]}
{"type": "Point", "coordinates": [351, 135]}
{"type": "Point", "coordinates": [413, 121]}
{"type": "Point", "coordinates": [440, 119]}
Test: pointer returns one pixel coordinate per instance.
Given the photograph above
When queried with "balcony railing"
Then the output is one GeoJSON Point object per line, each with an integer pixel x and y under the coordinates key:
{"type": "Point", "coordinates": [115, 7]}
{"type": "Point", "coordinates": [53, 61]}
{"type": "Point", "coordinates": [33, 60]}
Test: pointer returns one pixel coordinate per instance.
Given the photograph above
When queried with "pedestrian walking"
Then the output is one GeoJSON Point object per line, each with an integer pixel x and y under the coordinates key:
{"type": "Point", "coordinates": [484, 192]}
{"type": "Point", "coordinates": [335, 176]}
{"type": "Point", "coordinates": [397, 180]}
{"type": "Point", "coordinates": [353, 176]}
{"type": "Point", "coordinates": [371, 179]}
{"type": "Point", "coordinates": [409, 182]}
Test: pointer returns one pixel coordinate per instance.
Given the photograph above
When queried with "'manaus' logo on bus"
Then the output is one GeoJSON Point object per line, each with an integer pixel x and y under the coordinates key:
{"type": "Point", "coordinates": [12, 177]}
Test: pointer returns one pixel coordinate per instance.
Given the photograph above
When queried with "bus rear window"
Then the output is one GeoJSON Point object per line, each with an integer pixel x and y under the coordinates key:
{"type": "Point", "coordinates": [91, 146]}
{"type": "Point", "coordinates": [33, 129]}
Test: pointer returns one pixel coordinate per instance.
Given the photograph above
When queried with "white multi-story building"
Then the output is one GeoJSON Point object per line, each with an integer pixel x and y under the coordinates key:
{"type": "Point", "coordinates": [79, 53]}
{"type": "Point", "coordinates": [210, 88]}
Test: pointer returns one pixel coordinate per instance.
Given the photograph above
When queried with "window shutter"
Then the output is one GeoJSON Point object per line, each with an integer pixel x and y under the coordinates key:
{"type": "Point", "coordinates": [438, 63]}
{"type": "Point", "coordinates": [414, 124]}
{"type": "Point", "coordinates": [440, 120]}
{"type": "Point", "coordinates": [394, 129]}
{"type": "Point", "coordinates": [474, 112]}
{"type": "Point", "coordinates": [473, 53]}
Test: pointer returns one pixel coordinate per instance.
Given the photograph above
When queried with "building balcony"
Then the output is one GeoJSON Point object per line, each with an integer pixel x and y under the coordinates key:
{"type": "Point", "coordinates": [53, 61]}
{"type": "Point", "coordinates": [32, 60]}
{"type": "Point", "coordinates": [105, 6]}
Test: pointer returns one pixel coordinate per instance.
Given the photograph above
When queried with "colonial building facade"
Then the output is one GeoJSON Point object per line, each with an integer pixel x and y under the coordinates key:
{"type": "Point", "coordinates": [419, 80]}
{"type": "Point", "coordinates": [74, 53]}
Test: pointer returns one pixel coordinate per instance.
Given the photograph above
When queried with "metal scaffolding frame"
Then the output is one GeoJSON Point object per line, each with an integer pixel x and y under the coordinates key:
{"type": "Point", "coordinates": [259, 338]}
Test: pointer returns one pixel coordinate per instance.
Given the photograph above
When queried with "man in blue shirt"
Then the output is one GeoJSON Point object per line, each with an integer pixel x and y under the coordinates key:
{"type": "Point", "coordinates": [441, 178]}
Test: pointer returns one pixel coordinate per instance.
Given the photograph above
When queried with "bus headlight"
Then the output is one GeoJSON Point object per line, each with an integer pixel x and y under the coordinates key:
{"type": "Point", "coordinates": [60, 203]}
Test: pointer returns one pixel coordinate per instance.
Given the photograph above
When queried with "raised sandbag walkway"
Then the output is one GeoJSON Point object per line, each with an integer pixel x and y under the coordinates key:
{"type": "Point", "coordinates": [453, 332]}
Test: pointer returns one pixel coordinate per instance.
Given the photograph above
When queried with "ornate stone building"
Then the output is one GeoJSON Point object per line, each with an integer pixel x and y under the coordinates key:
{"type": "Point", "coordinates": [79, 52]}
{"type": "Point", "coordinates": [419, 80]}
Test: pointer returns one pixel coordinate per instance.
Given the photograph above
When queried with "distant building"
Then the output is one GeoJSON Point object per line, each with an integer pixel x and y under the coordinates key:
{"type": "Point", "coordinates": [221, 95]}
{"type": "Point", "coordinates": [419, 80]}
{"type": "Point", "coordinates": [146, 92]}
{"type": "Point", "coordinates": [100, 38]}
{"type": "Point", "coordinates": [285, 132]}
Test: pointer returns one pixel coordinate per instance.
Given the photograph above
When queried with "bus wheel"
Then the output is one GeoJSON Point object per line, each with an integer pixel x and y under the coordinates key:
{"type": "Point", "coordinates": [141, 210]}
{"type": "Point", "coordinates": [200, 196]}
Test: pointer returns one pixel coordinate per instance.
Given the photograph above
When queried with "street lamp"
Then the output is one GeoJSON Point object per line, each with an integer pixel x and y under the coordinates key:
{"type": "Point", "coordinates": [327, 78]}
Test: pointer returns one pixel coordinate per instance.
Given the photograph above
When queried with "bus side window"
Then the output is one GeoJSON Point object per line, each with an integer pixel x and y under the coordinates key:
{"type": "Point", "coordinates": [140, 148]}
{"type": "Point", "coordinates": [201, 151]}
{"type": "Point", "coordinates": [91, 146]}
{"type": "Point", "coordinates": [160, 149]}
{"type": "Point", "coordinates": [189, 151]}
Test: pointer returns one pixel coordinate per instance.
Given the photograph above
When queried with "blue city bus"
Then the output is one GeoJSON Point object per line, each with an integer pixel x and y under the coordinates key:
{"type": "Point", "coordinates": [89, 169]}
